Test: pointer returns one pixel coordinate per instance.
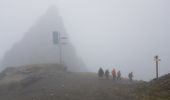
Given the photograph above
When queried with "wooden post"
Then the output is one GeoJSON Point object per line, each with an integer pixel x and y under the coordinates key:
{"type": "Point", "coordinates": [157, 60]}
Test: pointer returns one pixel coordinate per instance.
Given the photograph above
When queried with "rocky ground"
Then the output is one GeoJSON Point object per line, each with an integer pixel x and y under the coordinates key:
{"type": "Point", "coordinates": [39, 82]}
{"type": "Point", "coordinates": [156, 89]}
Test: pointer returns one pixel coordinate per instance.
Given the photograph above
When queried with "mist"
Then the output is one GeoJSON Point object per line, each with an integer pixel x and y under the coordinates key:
{"type": "Point", "coordinates": [125, 35]}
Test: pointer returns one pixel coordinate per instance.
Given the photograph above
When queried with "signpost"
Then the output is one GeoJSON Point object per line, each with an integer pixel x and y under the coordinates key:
{"type": "Point", "coordinates": [156, 58]}
{"type": "Point", "coordinates": [57, 39]}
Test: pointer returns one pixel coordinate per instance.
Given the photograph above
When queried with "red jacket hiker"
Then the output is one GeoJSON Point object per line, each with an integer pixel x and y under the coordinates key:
{"type": "Point", "coordinates": [114, 73]}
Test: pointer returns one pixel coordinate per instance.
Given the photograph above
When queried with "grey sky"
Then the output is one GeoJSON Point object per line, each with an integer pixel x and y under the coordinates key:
{"type": "Point", "coordinates": [109, 33]}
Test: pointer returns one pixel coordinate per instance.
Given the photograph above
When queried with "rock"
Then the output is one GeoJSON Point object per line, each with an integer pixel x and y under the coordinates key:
{"type": "Point", "coordinates": [36, 47]}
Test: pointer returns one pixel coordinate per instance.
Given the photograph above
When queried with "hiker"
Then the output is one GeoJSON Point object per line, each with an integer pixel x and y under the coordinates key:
{"type": "Point", "coordinates": [119, 75]}
{"type": "Point", "coordinates": [114, 74]}
{"type": "Point", "coordinates": [131, 76]}
{"type": "Point", "coordinates": [107, 74]}
{"type": "Point", "coordinates": [100, 72]}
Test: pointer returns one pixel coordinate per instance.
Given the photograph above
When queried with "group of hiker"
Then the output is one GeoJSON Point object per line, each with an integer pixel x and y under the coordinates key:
{"type": "Point", "coordinates": [115, 75]}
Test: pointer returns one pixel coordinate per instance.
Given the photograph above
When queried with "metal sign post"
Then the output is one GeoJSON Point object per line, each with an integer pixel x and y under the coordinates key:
{"type": "Point", "coordinates": [57, 39]}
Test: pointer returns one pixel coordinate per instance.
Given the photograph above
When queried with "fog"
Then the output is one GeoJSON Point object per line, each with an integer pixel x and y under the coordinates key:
{"type": "Point", "coordinates": [125, 35]}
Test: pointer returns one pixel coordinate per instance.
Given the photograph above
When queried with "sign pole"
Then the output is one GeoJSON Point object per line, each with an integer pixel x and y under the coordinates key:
{"type": "Point", "coordinates": [60, 47]}
{"type": "Point", "coordinates": [57, 39]}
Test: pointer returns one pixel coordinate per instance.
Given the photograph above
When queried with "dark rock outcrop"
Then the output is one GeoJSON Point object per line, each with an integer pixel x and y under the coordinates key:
{"type": "Point", "coordinates": [37, 46]}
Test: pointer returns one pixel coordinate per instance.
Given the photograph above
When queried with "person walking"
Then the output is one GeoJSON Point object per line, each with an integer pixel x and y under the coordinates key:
{"type": "Point", "coordinates": [100, 72]}
{"type": "Point", "coordinates": [131, 76]}
{"type": "Point", "coordinates": [114, 74]}
{"type": "Point", "coordinates": [107, 74]}
{"type": "Point", "coordinates": [119, 75]}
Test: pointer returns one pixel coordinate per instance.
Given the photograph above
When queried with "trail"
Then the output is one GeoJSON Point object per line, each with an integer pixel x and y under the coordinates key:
{"type": "Point", "coordinates": [66, 86]}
